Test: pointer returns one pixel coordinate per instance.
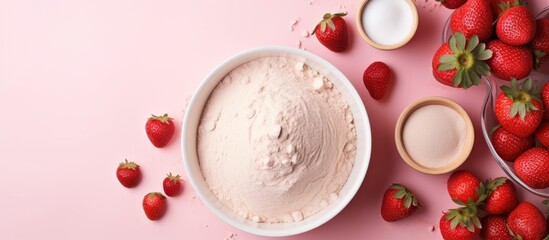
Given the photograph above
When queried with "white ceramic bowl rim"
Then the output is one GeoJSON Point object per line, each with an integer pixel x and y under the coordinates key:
{"type": "Point", "coordinates": [190, 159]}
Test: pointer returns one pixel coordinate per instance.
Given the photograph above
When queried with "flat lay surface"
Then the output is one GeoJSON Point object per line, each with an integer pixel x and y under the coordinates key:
{"type": "Point", "coordinates": [79, 79]}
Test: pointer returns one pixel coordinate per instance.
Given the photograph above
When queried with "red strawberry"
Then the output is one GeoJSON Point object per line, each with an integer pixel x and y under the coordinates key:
{"type": "Point", "coordinates": [460, 63]}
{"type": "Point", "coordinates": [464, 187]}
{"type": "Point", "coordinates": [160, 129]}
{"type": "Point", "coordinates": [460, 224]}
{"type": "Point", "coordinates": [542, 133]}
{"type": "Point", "coordinates": [331, 32]}
{"type": "Point", "coordinates": [499, 6]}
{"type": "Point", "coordinates": [540, 43]}
{"type": "Point", "coordinates": [508, 145]}
{"type": "Point", "coordinates": [517, 108]}
{"type": "Point", "coordinates": [172, 185]}
{"type": "Point", "coordinates": [502, 196]}
{"type": "Point", "coordinates": [398, 203]}
{"type": "Point", "coordinates": [473, 18]}
{"type": "Point", "coordinates": [495, 228]}
{"type": "Point", "coordinates": [516, 26]}
{"type": "Point", "coordinates": [376, 79]}
{"type": "Point", "coordinates": [508, 61]}
{"type": "Point", "coordinates": [532, 167]}
{"type": "Point", "coordinates": [154, 205]}
{"type": "Point", "coordinates": [452, 4]}
{"type": "Point", "coordinates": [545, 100]}
{"type": "Point", "coordinates": [527, 222]}
{"type": "Point", "coordinates": [128, 173]}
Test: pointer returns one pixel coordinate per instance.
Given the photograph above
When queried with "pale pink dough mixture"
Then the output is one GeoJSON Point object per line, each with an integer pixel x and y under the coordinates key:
{"type": "Point", "coordinates": [276, 141]}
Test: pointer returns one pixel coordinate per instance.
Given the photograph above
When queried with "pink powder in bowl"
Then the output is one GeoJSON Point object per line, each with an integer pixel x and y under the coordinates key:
{"type": "Point", "coordinates": [434, 135]}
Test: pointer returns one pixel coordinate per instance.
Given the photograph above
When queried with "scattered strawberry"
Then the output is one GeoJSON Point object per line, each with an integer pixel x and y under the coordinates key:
{"type": "Point", "coordinates": [460, 63]}
{"type": "Point", "coordinates": [516, 26]}
{"type": "Point", "coordinates": [499, 6]}
{"type": "Point", "coordinates": [154, 205]}
{"type": "Point", "coordinates": [464, 187]}
{"type": "Point", "coordinates": [532, 167]}
{"type": "Point", "coordinates": [508, 145]}
{"type": "Point", "coordinates": [331, 32]}
{"type": "Point", "coordinates": [398, 203]}
{"type": "Point", "coordinates": [172, 185]}
{"type": "Point", "coordinates": [460, 224]}
{"type": "Point", "coordinates": [452, 4]}
{"type": "Point", "coordinates": [495, 228]}
{"type": "Point", "coordinates": [473, 18]}
{"type": "Point", "coordinates": [545, 100]}
{"type": "Point", "coordinates": [160, 129]}
{"type": "Point", "coordinates": [542, 133]}
{"type": "Point", "coordinates": [128, 173]}
{"type": "Point", "coordinates": [517, 108]}
{"type": "Point", "coordinates": [376, 79]}
{"type": "Point", "coordinates": [540, 43]}
{"type": "Point", "coordinates": [502, 196]}
{"type": "Point", "coordinates": [527, 222]}
{"type": "Point", "coordinates": [508, 61]}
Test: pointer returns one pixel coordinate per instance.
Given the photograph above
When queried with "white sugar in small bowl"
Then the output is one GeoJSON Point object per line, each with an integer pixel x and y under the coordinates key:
{"type": "Point", "coordinates": [189, 138]}
{"type": "Point", "coordinates": [387, 24]}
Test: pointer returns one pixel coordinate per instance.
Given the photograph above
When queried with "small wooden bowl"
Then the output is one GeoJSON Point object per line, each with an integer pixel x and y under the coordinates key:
{"type": "Point", "coordinates": [465, 151]}
{"type": "Point", "coordinates": [371, 42]}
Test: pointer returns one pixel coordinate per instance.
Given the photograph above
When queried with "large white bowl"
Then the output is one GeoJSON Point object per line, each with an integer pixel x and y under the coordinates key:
{"type": "Point", "coordinates": [192, 119]}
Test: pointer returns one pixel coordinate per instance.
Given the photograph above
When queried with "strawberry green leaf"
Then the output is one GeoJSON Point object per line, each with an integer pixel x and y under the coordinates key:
{"type": "Point", "coordinates": [484, 54]}
{"type": "Point", "coordinates": [323, 26]}
{"type": "Point", "coordinates": [331, 24]}
{"type": "Point", "coordinates": [452, 43]}
{"type": "Point", "coordinates": [399, 194]}
{"type": "Point", "coordinates": [473, 43]}
{"type": "Point", "coordinates": [408, 201]}
{"type": "Point", "coordinates": [457, 79]}
{"type": "Point", "coordinates": [460, 41]}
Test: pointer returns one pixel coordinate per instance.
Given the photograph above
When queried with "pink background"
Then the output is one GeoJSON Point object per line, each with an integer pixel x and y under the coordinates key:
{"type": "Point", "coordinates": [78, 80]}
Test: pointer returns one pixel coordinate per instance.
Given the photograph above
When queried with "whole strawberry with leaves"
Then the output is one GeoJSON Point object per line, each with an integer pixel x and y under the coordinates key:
{"type": "Point", "coordinates": [532, 167]}
{"type": "Point", "coordinates": [460, 62]}
{"type": "Point", "coordinates": [508, 62]}
{"type": "Point", "coordinates": [540, 43]}
{"type": "Point", "coordinates": [172, 185]}
{"type": "Point", "coordinates": [473, 18]}
{"type": "Point", "coordinates": [464, 187]}
{"type": "Point", "coordinates": [501, 196]}
{"type": "Point", "coordinates": [516, 26]}
{"type": "Point", "coordinates": [398, 203]}
{"type": "Point", "coordinates": [460, 224]}
{"type": "Point", "coordinates": [494, 227]}
{"type": "Point", "coordinates": [376, 79]}
{"type": "Point", "coordinates": [128, 174]}
{"type": "Point", "coordinates": [518, 108]}
{"type": "Point", "coordinates": [160, 130]}
{"type": "Point", "coordinates": [331, 32]}
{"type": "Point", "coordinates": [154, 205]}
{"type": "Point", "coordinates": [452, 4]}
{"type": "Point", "coordinates": [527, 222]}
{"type": "Point", "coordinates": [509, 146]}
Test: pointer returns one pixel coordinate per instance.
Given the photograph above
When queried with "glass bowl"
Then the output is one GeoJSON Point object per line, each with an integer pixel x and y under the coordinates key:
{"type": "Point", "coordinates": [488, 122]}
{"type": "Point", "coordinates": [488, 119]}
